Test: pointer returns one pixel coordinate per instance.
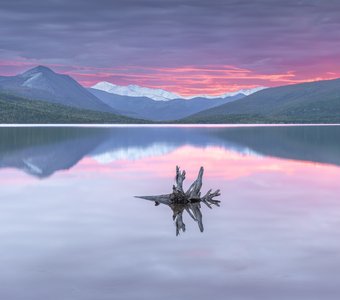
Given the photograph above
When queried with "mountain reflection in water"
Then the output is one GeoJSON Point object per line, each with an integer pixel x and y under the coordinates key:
{"type": "Point", "coordinates": [43, 151]}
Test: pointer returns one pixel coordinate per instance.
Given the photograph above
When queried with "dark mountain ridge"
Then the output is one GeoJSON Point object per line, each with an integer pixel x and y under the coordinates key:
{"type": "Point", "coordinates": [41, 83]}
{"type": "Point", "coordinates": [312, 102]}
{"type": "Point", "coordinates": [17, 110]}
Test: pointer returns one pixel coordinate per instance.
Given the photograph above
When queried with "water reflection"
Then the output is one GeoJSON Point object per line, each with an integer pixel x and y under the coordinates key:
{"type": "Point", "coordinates": [43, 151]}
{"type": "Point", "coordinates": [190, 201]}
{"type": "Point", "coordinates": [79, 234]}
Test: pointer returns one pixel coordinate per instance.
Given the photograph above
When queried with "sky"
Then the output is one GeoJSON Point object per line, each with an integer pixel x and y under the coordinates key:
{"type": "Point", "coordinates": [190, 47]}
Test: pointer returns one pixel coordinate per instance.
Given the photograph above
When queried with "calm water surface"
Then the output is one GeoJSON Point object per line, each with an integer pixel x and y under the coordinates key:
{"type": "Point", "coordinates": [70, 227]}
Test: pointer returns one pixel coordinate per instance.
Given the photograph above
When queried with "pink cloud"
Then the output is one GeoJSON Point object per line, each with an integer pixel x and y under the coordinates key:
{"type": "Point", "coordinates": [184, 80]}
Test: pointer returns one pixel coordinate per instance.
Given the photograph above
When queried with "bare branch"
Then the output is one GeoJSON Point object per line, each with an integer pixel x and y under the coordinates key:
{"type": "Point", "coordinates": [190, 213]}
{"type": "Point", "coordinates": [208, 198]}
{"type": "Point", "coordinates": [179, 223]}
{"type": "Point", "coordinates": [164, 199]}
{"type": "Point", "coordinates": [194, 190]}
{"type": "Point", "coordinates": [195, 207]}
{"type": "Point", "coordinates": [180, 176]}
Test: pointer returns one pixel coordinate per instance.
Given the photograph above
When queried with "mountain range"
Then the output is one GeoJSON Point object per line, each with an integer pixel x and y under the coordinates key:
{"type": "Point", "coordinates": [146, 108]}
{"type": "Point", "coordinates": [41, 83]}
{"type": "Point", "coordinates": [311, 102]}
{"type": "Point", "coordinates": [135, 91]}
{"type": "Point", "coordinates": [40, 95]}
{"type": "Point", "coordinates": [162, 95]}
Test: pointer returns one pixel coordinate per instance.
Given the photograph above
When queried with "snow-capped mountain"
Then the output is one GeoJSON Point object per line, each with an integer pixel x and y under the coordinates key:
{"type": "Point", "coordinates": [149, 109]}
{"type": "Point", "coordinates": [159, 94]}
{"type": "Point", "coordinates": [135, 91]}
{"type": "Point", "coordinates": [41, 83]}
{"type": "Point", "coordinates": [245, 92]}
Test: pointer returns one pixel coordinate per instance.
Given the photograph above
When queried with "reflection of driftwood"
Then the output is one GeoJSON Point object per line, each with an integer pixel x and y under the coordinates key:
{"type": "Point", "coordinates": [190, 200]}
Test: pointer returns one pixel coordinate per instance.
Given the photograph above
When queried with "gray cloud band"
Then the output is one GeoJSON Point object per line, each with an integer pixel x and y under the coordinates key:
{"type": "Point", "coordinates": [266, 35]}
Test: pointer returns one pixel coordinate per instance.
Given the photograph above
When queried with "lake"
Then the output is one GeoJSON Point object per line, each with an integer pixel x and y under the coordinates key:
{"type": "Point", "coordinates": [71, 228]}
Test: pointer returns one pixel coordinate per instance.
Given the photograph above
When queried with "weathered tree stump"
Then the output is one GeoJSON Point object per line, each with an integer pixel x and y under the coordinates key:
{"type": "Point", "coordinates": [190, 201]}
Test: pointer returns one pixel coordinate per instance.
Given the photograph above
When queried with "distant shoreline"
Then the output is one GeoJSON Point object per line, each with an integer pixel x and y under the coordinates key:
{"type": "Point", "coordinates": [164, 125]}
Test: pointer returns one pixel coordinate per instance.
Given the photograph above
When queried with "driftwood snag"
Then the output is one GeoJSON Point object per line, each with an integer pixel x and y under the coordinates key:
{"type": "Point", "coordinates": [190, 201]}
